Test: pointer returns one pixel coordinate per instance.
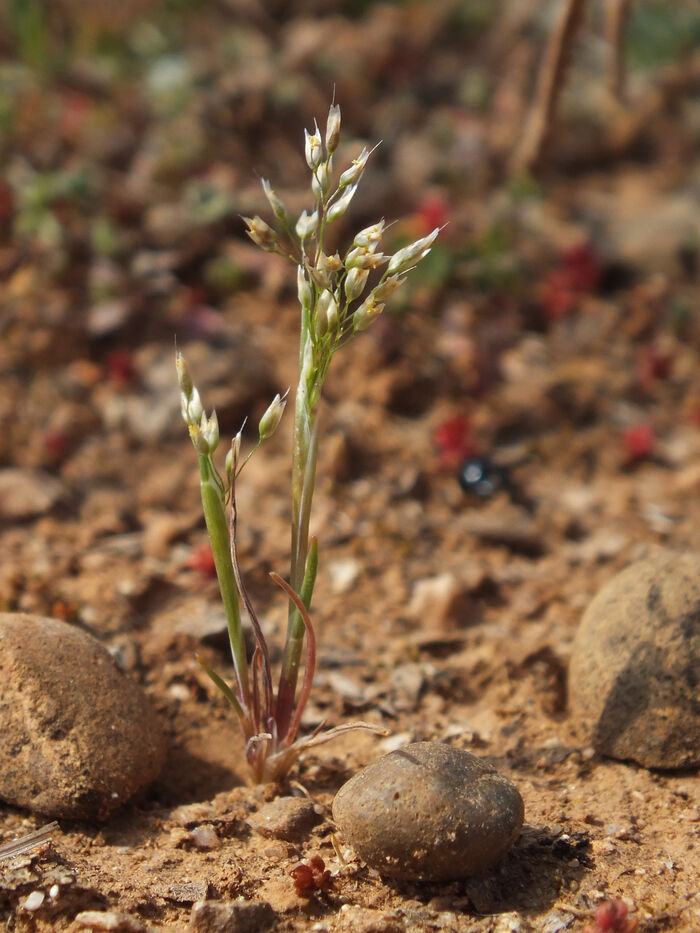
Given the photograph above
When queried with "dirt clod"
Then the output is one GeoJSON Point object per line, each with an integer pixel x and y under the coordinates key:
{"type": "Point", "coordinates": [236, 917]}
{"type": "Point", "coordinates": [634, 668]}
{"type": "Point", "coordinates": [429, 812]}
{"type": "Point", "coordinates": [285, 818]}
{"type": "Point", "coordinates": [79, 738]}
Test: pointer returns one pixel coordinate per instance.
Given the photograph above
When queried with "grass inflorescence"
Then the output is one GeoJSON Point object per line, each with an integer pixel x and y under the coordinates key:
{"type": "Point", "coordinates": [339, 296]}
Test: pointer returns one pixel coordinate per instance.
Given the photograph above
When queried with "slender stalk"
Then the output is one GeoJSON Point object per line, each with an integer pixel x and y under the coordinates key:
{"type": "Point", "coordinates": [217, 526]}
{"type": "Point", "coordinates": [333, 311]}
{"type": "Point", "coordinates": [304, 459]}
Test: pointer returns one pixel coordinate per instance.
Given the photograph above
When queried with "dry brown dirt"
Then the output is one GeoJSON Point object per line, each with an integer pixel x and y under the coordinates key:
{"type": "Point", "coordinates": [438, 615]}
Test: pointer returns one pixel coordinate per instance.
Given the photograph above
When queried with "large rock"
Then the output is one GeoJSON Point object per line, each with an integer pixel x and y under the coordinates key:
{"type": "Point", "coordinates": [429, 812]}
{"type": "Point", "coordinates": [635, 668]}
{"type": "Point", "coordinates": [78, 737]}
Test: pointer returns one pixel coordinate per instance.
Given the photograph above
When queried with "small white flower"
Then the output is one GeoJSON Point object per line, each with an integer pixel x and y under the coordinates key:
{"type": "Point", "coordinates": [411, 254]}
{"type": "Point", "coordinates": [352, 175]}
{"type": "Point", "coordinates": [338, 208]}
{"type": "Point", "coordinates": [303, 288]}
{"type": "Point", "coordinates": [363, 257]}
{"type": "Point", "coordinates": [368, 312]}
{"type": "Point", "coordinates": [313, 149]}
{"type": "Point", "coordinates": [276, 203]}
{"type": "Point", "coordinates": [388, 287]}
{"type": "Point", "coordinates": [333, 129]}
{"type": "Point", "coordinates": [261, 233]}
{"type": "Point", "coordinates": [327, 311]}
{"type": "Point", "coordinates": [370, 236]}
{"type": "Point", "coordinates": [355, 281]}
{"type": "Point", "coordinates": [184, 377]}
{"type": "Point", "coordinates": [306, 225]}
{"type": "Point", "coordinates": [210, 430]}
{"type": "Point", "coordinates": [195, 410]}
{"type": "Point", "coordinates": [270, 420]}
{"type": "Point", "coordinates": [321, 181]}
{"type": "Point", "coordinates": [199, 441]}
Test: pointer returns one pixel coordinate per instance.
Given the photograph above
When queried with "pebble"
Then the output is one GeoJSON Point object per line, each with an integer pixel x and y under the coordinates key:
{"type": "Point", "coordinates": [633, 680]}
{"type": "Point", "coordinates": [235, 917]}
{"type": "Point", "coordinates": [287, 818]}
{"type": "Point", "coordinates": [509, 526]}
{"type": "Point", "coordinates": [28, 493]}
{"type": "Point", "coordinates": [444, 601]}
{"type": "Point", "coordinates": [79, 737]}
{"type": "Point", "coordinates": [111, 921]}
{"type": "Point", "coordinates": [429, 812]}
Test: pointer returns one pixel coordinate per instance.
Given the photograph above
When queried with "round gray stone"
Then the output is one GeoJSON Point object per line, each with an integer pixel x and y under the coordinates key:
{"type": "Point", "coordinates": [429, 812]}
{"type": "Point", "coordinates": [634, 679]}
{"type": "Point", "coordinates": [78, 737]}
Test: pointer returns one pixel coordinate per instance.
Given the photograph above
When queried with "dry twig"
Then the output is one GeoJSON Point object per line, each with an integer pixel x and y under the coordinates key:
{"type": "Point", "coordinates": [549, 84]}
{"type": "Point", "coordinates": [616, 14]}
{"type": "Point", "coordinates": [30, 841]}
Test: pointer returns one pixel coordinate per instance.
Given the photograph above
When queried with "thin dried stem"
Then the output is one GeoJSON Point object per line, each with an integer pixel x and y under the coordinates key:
{"type": "Point", "coordinates": [28, 842]}
{"type": "Point", "coordinates": [616, 15]}
{"type": "Point", "coordinates": [309, 667]}
{"type": "Point", "coordinates": [265, 666]}
{"type": "Point", "coordinates": [549, 84]}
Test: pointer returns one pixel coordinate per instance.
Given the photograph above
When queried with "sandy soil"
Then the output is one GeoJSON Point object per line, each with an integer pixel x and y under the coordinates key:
{"type": "Point", "coordinates": [439, 615]}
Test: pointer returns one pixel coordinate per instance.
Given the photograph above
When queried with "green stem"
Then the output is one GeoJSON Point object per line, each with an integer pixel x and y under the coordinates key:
{"type": "Point", "coordinates": [304, 457]}
{"type": "Point", "coordinates": [215, 517]}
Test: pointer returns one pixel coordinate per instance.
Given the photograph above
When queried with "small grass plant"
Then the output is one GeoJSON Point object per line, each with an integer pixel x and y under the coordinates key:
{"type": "Point", "coordinates": [339, 297]}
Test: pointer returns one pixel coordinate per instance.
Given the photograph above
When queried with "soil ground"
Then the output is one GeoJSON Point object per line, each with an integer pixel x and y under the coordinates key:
{"type": "Point", "coordinates": [557, 320]}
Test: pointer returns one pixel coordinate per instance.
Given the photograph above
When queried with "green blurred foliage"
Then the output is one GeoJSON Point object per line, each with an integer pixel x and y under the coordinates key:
{"type": "Point", "coordinates": [659, 32]}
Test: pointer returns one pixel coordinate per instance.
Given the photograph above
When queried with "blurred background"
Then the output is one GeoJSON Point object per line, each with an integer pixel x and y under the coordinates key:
{"type": "Point", "coordinates": [558, 141]}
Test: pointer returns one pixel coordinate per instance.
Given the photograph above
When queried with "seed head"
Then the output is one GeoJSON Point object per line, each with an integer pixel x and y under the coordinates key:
{"type": "Point", "coordinates": [184, 377]}
{"type": "Point", "coordinates": [333, 129]}
{"type": "Point", "coordinates": [199, 440]}
{"type": "Point", "coordinates": [306, 225]}
{"type": "Point", "coordinates": [370, 236]}
{"type": "Point", "coordinates": [327, 267]}
{"type": "Point", "coordinates": [355, 281]}
{"type": "Point", "coordinates": [191, 407]}
{"type": "Point", "coordinates": [303, 288]}
{"type": "Point", "coordinates": [313, 148]}
{"type": "Point", "coordinates": [233, 454]}
{"type": "Point", "coordinates": [262, 234]}
{"type": "Point", "coordinates": [338, 208]}
{"type": "Point", "coordinates": [276, 203]}
{"type": "Point", "coordinates": [363, 257]}
{"type": "Point", "coordinates": [327, 311]}
{"type": "Point", "coordinates": [272, 417]}
{"type": "Point", "coordinates": [210, 430]}
{"type": "Point", "coordinates": [411, 254]}
{"type": "Point", "coordinates": [368, 312]}
{"type": "Point", "coordinates": [321, 181]}
{"type": "Point", "coordinates": [388, 287]}
{"type": "Point", "coordinates": [352, 175]}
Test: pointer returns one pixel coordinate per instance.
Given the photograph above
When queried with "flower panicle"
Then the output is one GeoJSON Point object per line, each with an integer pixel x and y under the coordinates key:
{"type": "Point", "coordinates": [340, 294]}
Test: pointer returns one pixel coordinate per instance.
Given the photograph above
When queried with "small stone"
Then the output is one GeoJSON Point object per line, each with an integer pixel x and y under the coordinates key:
{"type": "Point", "coordinates": [429, 812]}
{"type": "Point", "coordinates": [192, 814]}
{"type": "Point", "coordinates": [443, 602]}
{"type": "Point", "coordinates": [79, 737]}
{"type": "Point", "coordinates": [288, 818]}
{"type": "Point", "coordinates": [344, 574]}
{"type": "Point", "coordinates": [111, 921]}
{"type": "Point", "coordinates": [33, 901]}
{"type": "Point", "coordinates": [236, 917]}
{"type": "Point", "coordinates": [188, 892]}
{"type": "Point", "coordinates": [205, 838]}
{"type": "Point", "coordinates": [355, 919]}
{"type": "Point", "coordinates": [28, 493]}
{"type": "Point", "coordinates": [510, 526]}
{"type": "Point", "coordinates": [635, 661]}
